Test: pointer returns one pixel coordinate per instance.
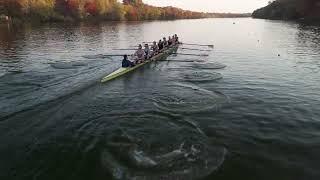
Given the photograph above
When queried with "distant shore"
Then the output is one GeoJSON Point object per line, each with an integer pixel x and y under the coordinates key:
{"type": "Point", "coordinates": [96, 10]}
{"type": "Point", "coordinates": [18, 20]}
{"type": "Point", "coordinates": [302, 11]}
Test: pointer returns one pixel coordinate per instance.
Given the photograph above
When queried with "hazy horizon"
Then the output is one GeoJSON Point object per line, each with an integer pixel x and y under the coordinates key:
{"type": "Point", "coordinates": [226, 6]}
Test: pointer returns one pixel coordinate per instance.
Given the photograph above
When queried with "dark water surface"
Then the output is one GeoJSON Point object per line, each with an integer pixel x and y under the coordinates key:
{"type": "Point", "coordinates": [251, 110]}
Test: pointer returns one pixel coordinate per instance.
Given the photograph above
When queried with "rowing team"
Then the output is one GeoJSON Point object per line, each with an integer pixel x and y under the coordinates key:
{"type": "Point", "coordinates": [142, 55]}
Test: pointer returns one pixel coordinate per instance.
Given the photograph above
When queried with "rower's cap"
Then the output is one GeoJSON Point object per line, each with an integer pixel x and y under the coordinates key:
{"type": "Point", "coordinates": [140, 46]}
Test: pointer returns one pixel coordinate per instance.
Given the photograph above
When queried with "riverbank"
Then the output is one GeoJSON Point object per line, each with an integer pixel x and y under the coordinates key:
{"type": "Point", "coordinates": [95, 10]}
{"type": "Point", "coordinates": [303, 11]}
{"type": "Point", "coordinates": [57, 18]}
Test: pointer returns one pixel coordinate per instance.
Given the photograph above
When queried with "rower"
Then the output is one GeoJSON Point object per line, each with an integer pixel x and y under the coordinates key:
{"type": "Point", "coordinates": [139, 54]}
{"type": "Point", "coordinates": [173, 40]}
{"type": "Point", "coordinates": [177, 38]}
{"type": "Point", "coordinates": [126, 63]}
{"type": "Point", "coordinates": [147, 53]}
{"type": "Point", "coordinates": [169, 41]}
{"type": "Point", "coordinates": [160, 45]}
{"type": "Point", "coordinates": [154, 48]}
{"type": "Point", "coordinates": [165, 42]}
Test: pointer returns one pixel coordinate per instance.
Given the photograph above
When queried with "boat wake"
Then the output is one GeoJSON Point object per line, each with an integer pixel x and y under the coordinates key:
{"type": "Point", "coordinates": [24, 90]}
{"type": "Point", "coordinates": [127, 158]}
{"type": "Point", "coordinates": [97, 56]}
{"type": "Point", "coordinates": [67, 65]}
{"type": "Point", "coordinates": [2, 73]}
{"type": "Point", "coordinates": [188, 98]}
{"type": "Point", "coordinates": [215, 65]}
{"type": "Point", "coordinates": [201, 76]}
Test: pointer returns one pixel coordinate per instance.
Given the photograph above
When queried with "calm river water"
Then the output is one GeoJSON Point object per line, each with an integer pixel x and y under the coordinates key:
{"type": "Point", "coordinates": [251, 110]}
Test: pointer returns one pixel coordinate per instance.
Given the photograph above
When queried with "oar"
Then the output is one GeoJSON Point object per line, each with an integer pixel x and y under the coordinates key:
{"type": "Point", "coordinates": [146, 42]}
{"type": "Point", "coordinates": [112, 55]}
{"type": "Point", "coordinates": [196, 49]}
{"type": "Point", "coordinates": [184, 60]}
{"type": "Point", "coordinates": [191, 54]}
{"type": "Point", "coordinates": [103, 56]}
{"type": "Point", "coordinates": [125, 49]}
{"type": "Point", "coordinates": [208, 45]}
{"type": "Point", "coordinates": [136, 46]}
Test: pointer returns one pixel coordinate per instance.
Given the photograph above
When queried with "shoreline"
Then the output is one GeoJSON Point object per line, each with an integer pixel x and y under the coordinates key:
{"type": "Point", "coordinates": [306, 21]}
{"type": "Point", "coordinates": [298, 11]}
{"type": "Point", "coordinates": [18, 21]}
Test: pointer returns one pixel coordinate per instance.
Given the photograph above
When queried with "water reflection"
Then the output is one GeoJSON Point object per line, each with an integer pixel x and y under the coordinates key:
{"type": "Point", "coordinates": [12, 43]}
{"type": "Point", "coordinates": [309, 37]}
{"type": "Point", "coordinates": [308, 48]}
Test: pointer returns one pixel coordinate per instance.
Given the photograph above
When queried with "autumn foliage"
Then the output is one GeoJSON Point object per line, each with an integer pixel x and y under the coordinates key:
{"type": "Point", "coordinates": [132, 10]}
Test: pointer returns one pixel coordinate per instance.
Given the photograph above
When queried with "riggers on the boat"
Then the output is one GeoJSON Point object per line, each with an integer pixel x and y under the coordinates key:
{"type": "Point", "coordinates": [121, 71]}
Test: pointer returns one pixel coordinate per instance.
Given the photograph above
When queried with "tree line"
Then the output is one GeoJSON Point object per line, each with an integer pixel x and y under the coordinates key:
{"type": "Point", "coordinates": [290, 9]}
{"type": "Point", "coordinates": [61, 10]}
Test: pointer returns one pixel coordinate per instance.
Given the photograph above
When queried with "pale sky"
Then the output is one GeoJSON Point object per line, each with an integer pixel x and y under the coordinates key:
{"type": "Point", "coordinates": [235, 6]}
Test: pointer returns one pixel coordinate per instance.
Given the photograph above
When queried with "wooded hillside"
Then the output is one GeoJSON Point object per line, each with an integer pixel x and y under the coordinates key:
{"type": "Point", "coordinates": [290, 9]}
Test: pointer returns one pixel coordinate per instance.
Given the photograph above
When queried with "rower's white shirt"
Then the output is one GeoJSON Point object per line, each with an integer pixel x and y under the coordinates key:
{"type": "Point", "coordinates": [139, 53]}
{"type": "Point", "coordinates": [147, 50]}
{"type": "Point", "coordinates": [131, 59]}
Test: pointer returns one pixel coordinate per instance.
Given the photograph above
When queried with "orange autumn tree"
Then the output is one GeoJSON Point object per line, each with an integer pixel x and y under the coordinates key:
{"type": "Point", "coordinates": [90, 7]}
{"type": "Point", "coordinates": [131, 10]}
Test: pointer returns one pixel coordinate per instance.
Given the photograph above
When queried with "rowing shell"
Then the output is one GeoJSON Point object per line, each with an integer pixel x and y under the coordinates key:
{"type": "Point", "coordinates": [121, 71]}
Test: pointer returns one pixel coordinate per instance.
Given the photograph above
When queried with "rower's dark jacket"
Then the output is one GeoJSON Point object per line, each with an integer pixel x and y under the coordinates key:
{"type": "Point", "coordinates": [160, 45]}
{"type": "Point", "coordinates": [126, 63]}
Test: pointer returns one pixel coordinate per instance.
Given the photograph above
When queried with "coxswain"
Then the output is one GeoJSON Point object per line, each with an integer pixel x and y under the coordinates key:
{"type": "Point", "coordinates": [147, 53]}
{"type": "Point", "coordinates": [126, 63]}
{"type": "Point", "coordinates": [139, 54]}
